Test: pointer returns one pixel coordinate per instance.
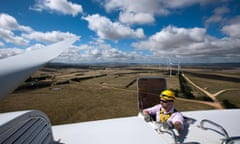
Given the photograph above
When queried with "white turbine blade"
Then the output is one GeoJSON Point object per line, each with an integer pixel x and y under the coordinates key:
{"type": "Point", "coordinates": [14, 70]}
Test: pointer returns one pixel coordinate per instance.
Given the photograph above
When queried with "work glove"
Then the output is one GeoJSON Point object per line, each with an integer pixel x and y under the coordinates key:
{"type": "Point", "coordinates": [147, 118]}
{"type": "Point", "coordinates": [168, 125]}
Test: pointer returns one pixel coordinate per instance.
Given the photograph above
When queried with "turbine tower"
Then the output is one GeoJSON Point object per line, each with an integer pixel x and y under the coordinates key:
{"type": "Point", "coordinates": [170, 67]}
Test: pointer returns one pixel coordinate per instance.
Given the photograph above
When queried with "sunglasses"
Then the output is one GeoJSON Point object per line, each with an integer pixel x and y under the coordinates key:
{"type": "Point", "coordinates": [165, 101]}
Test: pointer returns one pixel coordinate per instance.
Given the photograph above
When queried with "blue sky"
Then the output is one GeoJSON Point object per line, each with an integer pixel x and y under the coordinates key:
{"type": "Point", "coordinates": [141, 31]}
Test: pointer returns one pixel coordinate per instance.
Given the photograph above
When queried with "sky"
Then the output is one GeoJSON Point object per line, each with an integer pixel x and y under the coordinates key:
{"type": "Point", "coordinates": [124, 31]}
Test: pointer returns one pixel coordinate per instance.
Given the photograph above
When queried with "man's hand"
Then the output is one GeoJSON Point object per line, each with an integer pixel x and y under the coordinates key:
{"type": "Point", "coordinates": [147, 118]}
{"type": "Point", "coordinates": [146, 115]}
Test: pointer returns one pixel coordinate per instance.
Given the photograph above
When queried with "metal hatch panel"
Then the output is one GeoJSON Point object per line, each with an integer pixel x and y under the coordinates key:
{"type": "Point", "coordinates": [149, 89]}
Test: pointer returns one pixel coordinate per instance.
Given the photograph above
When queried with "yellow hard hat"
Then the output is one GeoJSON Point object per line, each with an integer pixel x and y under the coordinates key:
{"type": "Point", "coordinates": [167, 95]}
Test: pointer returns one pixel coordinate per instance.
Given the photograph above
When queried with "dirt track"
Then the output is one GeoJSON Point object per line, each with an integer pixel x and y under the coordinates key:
{"type": "Point", "coordinates": [216, 103]}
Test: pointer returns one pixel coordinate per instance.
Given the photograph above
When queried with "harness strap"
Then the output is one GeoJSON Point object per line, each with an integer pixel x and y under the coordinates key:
{"type": "Point", "coordinates": [165, 117]}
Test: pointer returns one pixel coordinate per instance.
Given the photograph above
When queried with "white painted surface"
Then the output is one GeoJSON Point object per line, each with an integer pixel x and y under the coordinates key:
{"type": "Point", "coordinates": [136, 130]}
{"type": "Point", "coordinates": [115, 131]}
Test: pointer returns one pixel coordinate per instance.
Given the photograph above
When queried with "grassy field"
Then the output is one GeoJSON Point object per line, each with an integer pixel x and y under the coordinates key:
{"type": "Point", "coordinates": [111, 95]}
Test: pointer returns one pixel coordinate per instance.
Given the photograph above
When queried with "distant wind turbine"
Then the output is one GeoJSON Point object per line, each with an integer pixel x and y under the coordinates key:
{"type": "Point", "coordinates": [169, 67]}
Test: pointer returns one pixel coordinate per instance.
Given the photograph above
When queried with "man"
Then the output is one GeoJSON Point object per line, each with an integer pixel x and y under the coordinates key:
{"type": "Point", "coordinates": [165, 111]}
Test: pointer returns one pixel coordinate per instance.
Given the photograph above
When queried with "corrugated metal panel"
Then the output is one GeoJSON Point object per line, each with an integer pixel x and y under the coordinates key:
{"type": "Point", "coordinates": [31, 127]}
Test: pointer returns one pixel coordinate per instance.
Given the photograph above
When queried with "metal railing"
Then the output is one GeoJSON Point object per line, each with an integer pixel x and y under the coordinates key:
{"type": "Point", "coordinates": [231, 140]}
{"type": "Point", "coordinates": [223, 131]}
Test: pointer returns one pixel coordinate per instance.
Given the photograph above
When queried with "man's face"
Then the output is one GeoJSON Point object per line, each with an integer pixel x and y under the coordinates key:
{"type": "Point", "coordinates": [165, 103]}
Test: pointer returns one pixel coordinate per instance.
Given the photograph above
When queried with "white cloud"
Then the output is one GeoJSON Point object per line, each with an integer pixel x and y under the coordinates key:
{"type": "Point", "coordinates": [232, 29]}
{"type": "Point", "coordinates": [60, 6]}
{"type": "Point", "coordinates": [9, 25]}
{"type": "Point", "coordinates": [136, 18]}
{"type": "Point", "coordinates": [1, 44]}
{"type": "Point", "coordinates": [185, 3]}
{"type": "Point", "coordinates": [34, 47]}
{"type": "Point", "coordinates": [171, 38]}
{"type": "Point", "coordinates": [48, 37]}
{"type": "Point", "coordinates": [6, 52]}
{"type": "Point", "coordinates": [181, 44]}
{"type": "Point", "coordinates": [218, 16]}
{"type": "Point", "coordinates": [101, 52]}
{"type": "Point", "coordinates": [98, 52]}
{"type": "Point", "coordinates": [170, 41]}
{"type": "Point", "coordinates": [8, 22]}
{"type": "Point", "coordinates": [131, 10]}
{"type": "Point", "coordinates": [191, 42]}
{"type": "Point", "coordinates": [9, 37]}
{"type": "Point", "coordinates": [106, 29]}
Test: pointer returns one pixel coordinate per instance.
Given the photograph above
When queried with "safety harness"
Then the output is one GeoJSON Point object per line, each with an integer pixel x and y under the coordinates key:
{"type": "Point", "coordinates": [165, 117]}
